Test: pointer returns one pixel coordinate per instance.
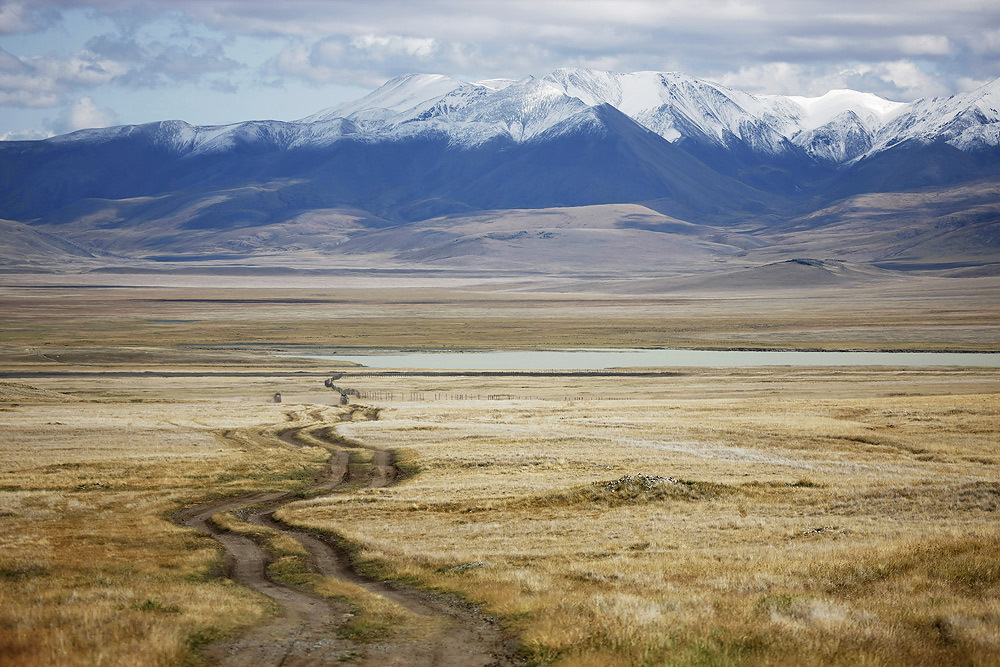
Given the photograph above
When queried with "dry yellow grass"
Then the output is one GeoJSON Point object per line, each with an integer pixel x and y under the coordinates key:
{"type": "Point", "coordinates": [796, 521]}
{"type": "Point", "coordinates": [769, 530]}
{"type": "Point", "coordinates": [838, 516]}
{"type": "Point", "coordinates": [102, 326]}
{"type": "Point", "coordinates": [92, 570]}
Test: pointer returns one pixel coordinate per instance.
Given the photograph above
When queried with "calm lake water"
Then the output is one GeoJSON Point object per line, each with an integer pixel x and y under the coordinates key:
{"type": "Point", "coordinates": [584, 360]}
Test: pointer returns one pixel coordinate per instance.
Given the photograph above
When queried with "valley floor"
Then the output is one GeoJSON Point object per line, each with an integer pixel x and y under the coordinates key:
{"type": "Point", "coordinates": [702, 516]}
{"type": "Point", "coordinates": [190, 318]}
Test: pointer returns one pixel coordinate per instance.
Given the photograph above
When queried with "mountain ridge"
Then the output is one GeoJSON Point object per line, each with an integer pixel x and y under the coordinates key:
{"type": "Point", "coordinates": [685, 106]}
{"type": "Point", "coordinates": [427, 146]}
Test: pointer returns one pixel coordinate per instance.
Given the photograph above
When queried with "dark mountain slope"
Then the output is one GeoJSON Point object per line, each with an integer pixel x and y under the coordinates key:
{"type": "Point", "coordinates": [598, 156]}
{"type": "Point", "coordinates": [602, 156]}
{"type": "Point", "coordinates": [913, 165]}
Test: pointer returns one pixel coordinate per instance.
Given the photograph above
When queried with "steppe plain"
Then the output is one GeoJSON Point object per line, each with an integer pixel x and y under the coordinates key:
{"type": "Point", "coordinates": [649, 516]}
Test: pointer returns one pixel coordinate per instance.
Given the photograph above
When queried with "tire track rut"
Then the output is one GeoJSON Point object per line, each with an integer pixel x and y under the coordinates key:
{"type": "Point", "coordinates": [306, 631]}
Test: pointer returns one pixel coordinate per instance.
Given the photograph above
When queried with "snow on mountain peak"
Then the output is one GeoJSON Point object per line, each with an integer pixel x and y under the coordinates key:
{"type": "Point", "coordinates": [871, 109]}
{"type": "Point", "coordinates": [676, 106]}
{"type": "Point", "coordinates": [495, 84]}
{"type": "Point", "coordinates": [523, 108]}
{"type": "Point", "coordinates": [592, 87]}
{"type": "Point", "coordinates": [394, 96]}
{"type": "Point", "coordinates": [835, 128]}
{"type": "Point", "coordinates": [967, 121]}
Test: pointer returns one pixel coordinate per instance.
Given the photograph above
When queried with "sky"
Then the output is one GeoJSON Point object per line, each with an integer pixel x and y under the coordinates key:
{"type": "Point", "coordinates": [71, 64]}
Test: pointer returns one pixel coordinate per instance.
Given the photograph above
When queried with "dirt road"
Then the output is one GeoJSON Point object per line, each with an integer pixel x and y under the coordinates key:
{"type": "Point", "coordinates": [306, 631]}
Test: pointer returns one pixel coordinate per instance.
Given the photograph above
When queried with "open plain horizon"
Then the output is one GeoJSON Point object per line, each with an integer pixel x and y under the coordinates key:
{"type": "Point", "coordinates": [781, 515]}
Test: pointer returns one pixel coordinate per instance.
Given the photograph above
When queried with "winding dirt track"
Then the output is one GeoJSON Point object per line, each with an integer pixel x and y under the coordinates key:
{"type": "Point", "coordinates": [306, 631]}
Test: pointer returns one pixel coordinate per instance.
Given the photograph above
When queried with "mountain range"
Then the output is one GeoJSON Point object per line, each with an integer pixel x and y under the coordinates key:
{"type": "Point", "coordinates": [660, 169]}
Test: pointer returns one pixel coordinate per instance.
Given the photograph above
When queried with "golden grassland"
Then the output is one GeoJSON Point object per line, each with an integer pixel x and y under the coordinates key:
{"type": "Point", "coordinates": [66, 324]}
{"type": "Point", "coordinates": [754, 516]}
{"type": "Point", "coordinates": [769, 516]}
{"type": "Point", "coordinates": [92, 570]}
{"type": "Point", "coordinates": [702, 530]}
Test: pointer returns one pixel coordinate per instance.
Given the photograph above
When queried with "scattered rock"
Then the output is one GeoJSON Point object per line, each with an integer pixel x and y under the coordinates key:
{"type": "Point", "coordinates": [644, 482]}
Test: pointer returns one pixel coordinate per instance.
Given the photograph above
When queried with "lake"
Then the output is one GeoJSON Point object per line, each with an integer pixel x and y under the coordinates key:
{"type": "Point", "coordinates": [599, 359]}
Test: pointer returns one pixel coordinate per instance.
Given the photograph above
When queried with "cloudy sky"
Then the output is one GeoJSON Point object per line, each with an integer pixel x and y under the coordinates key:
{"type": "Point", "coordinates": [70, 64]}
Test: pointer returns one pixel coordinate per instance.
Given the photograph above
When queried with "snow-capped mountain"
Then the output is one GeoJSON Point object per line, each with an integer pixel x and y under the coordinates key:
{"type": "Point", "coordinates": [396, 96]}
{"type": "Point", "coordinates": [673, 105]}
{"type": "Point", "coordinates": [836, 128]}
{"type": "Point", "coordinates": [968, 121]}
{"type": "Point", "coordinates": [426, 145]}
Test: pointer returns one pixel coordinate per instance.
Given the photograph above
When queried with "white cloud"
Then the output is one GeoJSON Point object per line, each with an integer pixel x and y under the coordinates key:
{"type": "Point", "coordinates": [39, 81]}
{"type": "Point", "coordinates": [46, 80]}
{"type": "Point", "coordinates": [987, 41]}
{"type": "Point", "coordinates": [27, 98]}
{"type": "Point", "coordinates": [297, 60]}
{"type": "Point", "coordinates": [862, 46]}
{"type": "Point", "coordinates": [383, 47]}
{"type": "Point", "coordinates": [25, 135]}
{"type": "Point", "coordinates": [900, 50]}
{"type": "Point", "coordinates": [965, 84]}
{"type": "Point", "coordinates": [366, 60]}
{"type": "Point", "coordinates": [783, 78]}
{"type": "Point", "coordinates": [900, 80]}
{"type": "Point", "coordinates": [83, 113]}
{"type": "Point", "coordinates": [781, 45]}
{"type": "Point", "coordinates": [16, 18]}
{"type": "Point", "coordinates": [156, 63]}
{"type": "Point", "coordinates": [924, 45]}
{"type": "Point", "coordinates": [908, 77]}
